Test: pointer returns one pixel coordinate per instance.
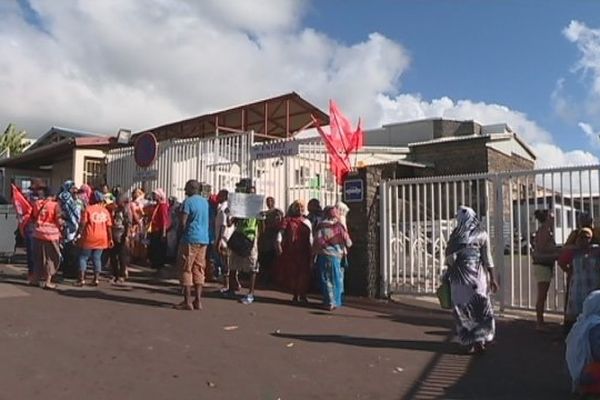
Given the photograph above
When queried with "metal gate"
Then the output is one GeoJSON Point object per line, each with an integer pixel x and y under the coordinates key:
{"type": "Point", "coordinates": [221, 161]}
{"type": "Point", "coordinates": [417, 217]}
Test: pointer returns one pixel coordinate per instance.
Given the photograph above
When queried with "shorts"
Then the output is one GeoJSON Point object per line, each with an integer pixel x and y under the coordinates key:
{"type": "Point", "coordinates": [542, 273]}
{"type": "Point", "coordinates": [192, 264]}
{"type": "Point", "coordinates": [245, 264]}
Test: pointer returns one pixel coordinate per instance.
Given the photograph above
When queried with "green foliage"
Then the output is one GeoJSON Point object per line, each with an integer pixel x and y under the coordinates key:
{"type": "Point", "coordinates": [13, 139]}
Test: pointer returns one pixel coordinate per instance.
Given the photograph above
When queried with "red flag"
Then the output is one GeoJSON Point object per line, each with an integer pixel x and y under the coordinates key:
{"type": "Point", "coordinates": [22, 207]}
{"type": "Point", "coordinates": [351, 140]}
{"type": "Point", "coordinates": [338, 159]}
{"type": "Point", "coordinates": [341, 141]}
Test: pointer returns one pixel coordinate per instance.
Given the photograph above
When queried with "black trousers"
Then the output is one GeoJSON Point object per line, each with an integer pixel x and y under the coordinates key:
{"type": "Point", "coordinates": [157, 250]}
{"type": "Point", "coordinates": [119, 259]}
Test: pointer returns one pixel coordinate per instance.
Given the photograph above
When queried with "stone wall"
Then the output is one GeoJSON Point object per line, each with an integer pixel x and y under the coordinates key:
{"type": "Point", "coordinates": [362, 277]}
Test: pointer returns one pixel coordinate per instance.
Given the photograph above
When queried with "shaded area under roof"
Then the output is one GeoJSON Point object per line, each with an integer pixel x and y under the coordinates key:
{"type": "Point", "coordinates": [274, 118]}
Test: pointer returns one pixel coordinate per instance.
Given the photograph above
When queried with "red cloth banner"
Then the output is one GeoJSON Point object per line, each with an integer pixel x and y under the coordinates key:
{"type": "Point", "coordinates": [22, 208]}
{"type": "Point", "coordinates": [341, 141]}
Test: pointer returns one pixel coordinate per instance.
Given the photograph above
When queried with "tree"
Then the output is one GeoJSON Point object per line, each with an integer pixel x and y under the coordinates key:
{"type": "Point", "coordinates": [13, 139]}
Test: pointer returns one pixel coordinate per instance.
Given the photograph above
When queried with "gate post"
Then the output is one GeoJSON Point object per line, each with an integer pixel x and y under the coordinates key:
{"type": "Point", "coordinates": [498, 244]}
{"type": "Point", "coordinates": [250, 165]}
{"type": "Point", "coordinates": [384, 239]}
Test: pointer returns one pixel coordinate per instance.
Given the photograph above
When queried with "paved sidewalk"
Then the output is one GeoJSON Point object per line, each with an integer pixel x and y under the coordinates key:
{"type": "Point", "coordinates": [128, 343]}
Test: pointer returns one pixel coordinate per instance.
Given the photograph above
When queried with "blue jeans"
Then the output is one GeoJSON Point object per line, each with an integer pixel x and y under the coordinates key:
{"type": "Point", "coordinates": [85, 255]}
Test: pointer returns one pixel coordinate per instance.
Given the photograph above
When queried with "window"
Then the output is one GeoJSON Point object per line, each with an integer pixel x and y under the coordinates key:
{"type": "Point", "coordinates": [302, 176]}
{"type": "Point", "coordinates": [94, 171]}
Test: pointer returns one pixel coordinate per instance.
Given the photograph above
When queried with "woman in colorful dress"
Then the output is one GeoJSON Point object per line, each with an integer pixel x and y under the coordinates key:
{"type": "Point", "coordinates": [330, 244]}
{"type": "Point", "coordinates": [471, 276]}
{"type": "Point", "coordinates": [293, 244]}
{"type": "Point", "coordinates": [582, 263]}
{"type": "Point", "coordinates": [71, 213]}
{"type": "Point", "coordinates": [138, 249]}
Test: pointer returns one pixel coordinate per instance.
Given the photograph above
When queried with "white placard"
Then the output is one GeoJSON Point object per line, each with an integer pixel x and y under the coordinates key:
{"type": "Point", "coordinates": [243, 205]}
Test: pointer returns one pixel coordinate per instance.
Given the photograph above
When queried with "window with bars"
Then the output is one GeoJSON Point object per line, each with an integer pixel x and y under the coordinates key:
{"type": "Point", "coordinates": [94, 171]}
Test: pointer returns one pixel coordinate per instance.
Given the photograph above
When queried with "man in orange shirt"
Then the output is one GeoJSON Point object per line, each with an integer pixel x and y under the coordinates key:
{"type": "Point", "coordinates": [96, 236]}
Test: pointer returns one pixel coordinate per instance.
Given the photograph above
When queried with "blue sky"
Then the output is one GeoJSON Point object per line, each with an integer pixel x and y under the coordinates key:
{"type": "Point", "coordinates": [507, 52]}
{"type": "Point", "coordinates": [102, 65]}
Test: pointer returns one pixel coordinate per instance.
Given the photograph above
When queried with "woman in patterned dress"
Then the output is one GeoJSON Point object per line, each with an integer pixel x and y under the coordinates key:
{"type": "Point", "coordinates": [471, 277]}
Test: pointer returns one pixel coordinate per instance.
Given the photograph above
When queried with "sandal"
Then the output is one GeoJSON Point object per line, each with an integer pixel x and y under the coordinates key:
{"type": "Point", "coordinates": [80, 283]}
{"type": "Point", "coordinates": [49, 286]}
{"type": "Point", "coordinates": [183, 306]}
{"type": "Point", "coordinates": [197, 305]}
{"type": "Point", "coordinates": [95, 283]}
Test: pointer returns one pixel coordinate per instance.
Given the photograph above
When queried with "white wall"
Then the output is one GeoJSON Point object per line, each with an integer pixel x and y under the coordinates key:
{"type": "Point", "coordinates": [78, 162]}
{"type": "Point", "coordinates": [509, 147]}
{"type": "Point", "coordinates": [401, 134]}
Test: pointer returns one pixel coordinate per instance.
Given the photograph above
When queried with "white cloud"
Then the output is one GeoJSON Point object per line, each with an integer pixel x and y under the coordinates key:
{"type": "Point", "coordinates": [107, 64]}
{"type": "Point", "coordinates": [593, 136]}
{"type": "Point", "coordinates": [587, 69]}
{"type": "Point", "coordinates": [133, 63]}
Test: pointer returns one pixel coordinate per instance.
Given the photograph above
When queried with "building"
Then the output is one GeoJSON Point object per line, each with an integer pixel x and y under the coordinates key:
{"type": "Point", "coordinates": [58, 155]}
{"type": "Point", "coordinates": [258, 140]}
{"type": "Point", "coordinates": [439, 147]}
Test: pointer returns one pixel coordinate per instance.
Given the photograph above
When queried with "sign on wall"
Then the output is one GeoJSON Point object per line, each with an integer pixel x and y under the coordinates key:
{"type": "Point", "coordinates": [147, 175]}
{"type": "Point", "coordinates": [275, 149]}
{"type": "Point", "coordinates": [353, 191]}
{"type": "Point", "coordinates": [145, 149]}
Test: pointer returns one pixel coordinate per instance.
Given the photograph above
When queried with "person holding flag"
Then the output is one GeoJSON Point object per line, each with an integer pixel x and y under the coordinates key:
{"type": "Point", "coordinates": [23, 210]}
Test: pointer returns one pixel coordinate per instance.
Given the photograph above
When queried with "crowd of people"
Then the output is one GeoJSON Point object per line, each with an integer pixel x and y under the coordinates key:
{"type": "Point", "coordinates": [302, 249]}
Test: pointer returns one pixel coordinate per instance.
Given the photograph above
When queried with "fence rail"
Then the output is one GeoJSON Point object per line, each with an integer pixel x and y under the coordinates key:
{"type": "Point", "coordinates": [417, 219]}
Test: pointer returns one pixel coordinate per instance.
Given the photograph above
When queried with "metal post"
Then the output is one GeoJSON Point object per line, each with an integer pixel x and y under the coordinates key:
{"type": "Point", "coordinates": [498, 238]}
{"type": "Point", "coordinates": [384, 239]}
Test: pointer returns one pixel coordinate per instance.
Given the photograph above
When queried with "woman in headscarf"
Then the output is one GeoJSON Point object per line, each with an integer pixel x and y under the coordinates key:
{"type": "Point", "coordinates": [293, 244]}
{"type": "Point", "coordinates": [331, 242]}
{"type": "Point", "coordinates": [138, 249]}
{"type": "Point", "coordinates": [583, 348]}
{"type": "Point", "coordinates": [160, 222]}
{"type": "Point", "coordinates": [86, 194]}
{"type": "Point", "coordinates": [471, 276]}
{"type": "Point", "coordinates": [71, 213]}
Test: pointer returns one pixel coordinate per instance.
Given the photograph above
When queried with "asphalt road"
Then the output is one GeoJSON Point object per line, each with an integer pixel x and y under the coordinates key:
{"type": "Point", "coordinates": [128, 343]}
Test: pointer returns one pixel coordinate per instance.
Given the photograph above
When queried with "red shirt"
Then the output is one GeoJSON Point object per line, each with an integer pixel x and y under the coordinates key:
{"type": "Point", "coordinates": [97, 221]}
{"type": "Point", "coordinates": [161, 218]}
{"type": "Point", "coordinates": [46, 220]}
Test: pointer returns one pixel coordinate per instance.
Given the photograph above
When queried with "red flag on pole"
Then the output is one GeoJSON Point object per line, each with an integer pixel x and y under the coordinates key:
{"type": "Point", "coordinates": [341, 141]}
{"type": "Point", "coordinates": [351, 140]}
{"type": "Point", "coordinates": [22, 207]}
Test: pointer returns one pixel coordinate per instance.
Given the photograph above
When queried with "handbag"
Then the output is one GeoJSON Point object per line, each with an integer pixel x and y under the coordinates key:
{"type": "Point", "coordinates": [444, 296]}
{"type": "Point", "coordinates": [240, 244]}
{"type": "Point", "coordinates": [545, 259]}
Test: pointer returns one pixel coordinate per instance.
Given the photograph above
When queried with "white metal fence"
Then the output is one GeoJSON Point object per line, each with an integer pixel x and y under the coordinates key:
{"type": "Point", "coordinates": [221, 161]}
{"type": "Point", "coordinates": [417, 217]}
